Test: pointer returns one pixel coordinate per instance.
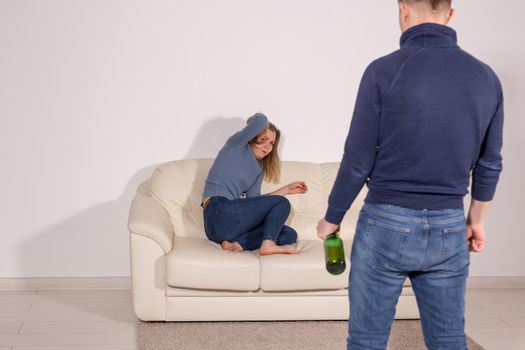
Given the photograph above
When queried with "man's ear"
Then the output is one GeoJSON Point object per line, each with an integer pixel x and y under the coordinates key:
{"type": "Point", "coordinates": [404, 10]}
{"type": "Point", "coordinates": [401, 6]}
{"type": "Point", "coordinates": [451, 14]}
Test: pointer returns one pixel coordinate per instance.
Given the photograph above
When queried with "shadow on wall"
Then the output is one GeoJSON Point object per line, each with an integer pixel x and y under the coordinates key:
{"type": "Point", "coordinates": [212, 135]}
{"type": "Point", "coordinates": [81, 244]}
{"type": "Point", "coordinates": [99, 234]}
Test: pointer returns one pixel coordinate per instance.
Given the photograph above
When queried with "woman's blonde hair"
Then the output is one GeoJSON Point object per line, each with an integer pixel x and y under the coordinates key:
{"type": "Point", "coordinates": [271, 163]}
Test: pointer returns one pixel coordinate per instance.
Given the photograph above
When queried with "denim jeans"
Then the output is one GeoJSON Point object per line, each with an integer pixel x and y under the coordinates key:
{"type": "Point", "coordinates": [427, 246]}
{"type": "Point", "coordinates": [249, 221]}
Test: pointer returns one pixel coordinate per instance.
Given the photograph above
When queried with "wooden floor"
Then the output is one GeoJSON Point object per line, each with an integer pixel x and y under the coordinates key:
{"type": "Point", "coordinates": [98, 319]}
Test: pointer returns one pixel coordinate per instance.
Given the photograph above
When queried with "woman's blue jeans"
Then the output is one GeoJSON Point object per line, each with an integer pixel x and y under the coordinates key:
{"type": "Point", "coordinates": [427, 246]}
{"type": "Point", "coordinates": [249, 221]}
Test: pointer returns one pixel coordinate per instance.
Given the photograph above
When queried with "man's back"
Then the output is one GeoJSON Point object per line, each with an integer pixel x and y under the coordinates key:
{"type": "Point", "coordinates": [421, 124]}
{"type": "Point", "coordinates": [437, 102]}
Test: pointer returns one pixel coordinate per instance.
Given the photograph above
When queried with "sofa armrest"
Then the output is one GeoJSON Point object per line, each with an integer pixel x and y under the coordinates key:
{"type": "Point", "coordinates": [147, 217]}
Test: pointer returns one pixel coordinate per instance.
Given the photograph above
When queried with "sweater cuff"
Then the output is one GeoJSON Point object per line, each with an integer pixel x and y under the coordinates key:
{"type": "Point", "coordinates": [334, 216]}
{"type": "Point", "coordinates": [483, 193]}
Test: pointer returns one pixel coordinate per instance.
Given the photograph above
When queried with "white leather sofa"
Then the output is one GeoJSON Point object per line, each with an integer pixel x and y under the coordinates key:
{"type": "Point", "coordinates": [179, 275]}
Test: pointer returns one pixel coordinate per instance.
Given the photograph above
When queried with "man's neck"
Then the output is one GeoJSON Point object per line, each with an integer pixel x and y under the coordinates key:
{"type": "Point", "coordinates": [426, 20]}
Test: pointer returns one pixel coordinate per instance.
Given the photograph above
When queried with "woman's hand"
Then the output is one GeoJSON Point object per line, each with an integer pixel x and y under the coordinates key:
{"type": "Point", "coordinates": [298, 187]}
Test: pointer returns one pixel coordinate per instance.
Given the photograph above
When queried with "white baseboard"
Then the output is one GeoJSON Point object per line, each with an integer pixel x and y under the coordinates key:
{"type": "Point", "coordinates": [105, 283]}
{"type": "Point", "coordinates": [496, 282]}
{"type": "Point", "coordinates": [64, 283]}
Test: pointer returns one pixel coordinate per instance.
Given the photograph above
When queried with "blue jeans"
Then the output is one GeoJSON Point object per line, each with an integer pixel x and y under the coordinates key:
{"type": "Point", "coordinates": [249, 221]}
{"type": "Point", "coordinates": [427, 246]}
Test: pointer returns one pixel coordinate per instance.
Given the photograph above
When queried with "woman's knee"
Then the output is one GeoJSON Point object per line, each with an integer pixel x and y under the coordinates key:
{"type": "Point", "coordinates": [284, 202]}
{"type": "Point", "coordinates": [287, 235]}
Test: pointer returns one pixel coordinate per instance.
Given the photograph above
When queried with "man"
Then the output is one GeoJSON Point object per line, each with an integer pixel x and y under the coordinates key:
{"type": "Point", "coordinates": [426, 117]}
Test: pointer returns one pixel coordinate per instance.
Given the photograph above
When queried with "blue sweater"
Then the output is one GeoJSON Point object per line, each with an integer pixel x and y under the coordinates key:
{"type": "Point", "coordinates": [427, 116]}
{"type": "Point", "coordinates": [236, 172]}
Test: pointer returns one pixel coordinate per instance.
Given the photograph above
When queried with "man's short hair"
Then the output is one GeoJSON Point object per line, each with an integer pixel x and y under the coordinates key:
{"type": "Point", "coordinates": [434, 4]}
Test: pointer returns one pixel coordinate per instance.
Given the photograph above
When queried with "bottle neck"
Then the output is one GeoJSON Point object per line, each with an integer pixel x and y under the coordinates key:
{"type": "Point", "coordinates": [333, 235]}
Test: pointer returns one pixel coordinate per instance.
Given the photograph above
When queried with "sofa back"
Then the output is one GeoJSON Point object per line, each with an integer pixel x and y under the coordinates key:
{"type": "Point", "coordinates": [178, 186]}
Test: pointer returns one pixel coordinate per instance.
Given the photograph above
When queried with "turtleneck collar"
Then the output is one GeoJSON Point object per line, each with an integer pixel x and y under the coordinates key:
{"type": "Point", "coordinates": [429, 35]}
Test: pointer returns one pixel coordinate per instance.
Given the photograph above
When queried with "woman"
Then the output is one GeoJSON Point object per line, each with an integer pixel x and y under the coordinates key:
{"type": "Point", "coordinates": [236, 215]}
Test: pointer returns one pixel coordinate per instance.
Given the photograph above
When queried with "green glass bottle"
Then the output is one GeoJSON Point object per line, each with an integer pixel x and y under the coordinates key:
{"type": "Point", "coordinates": [334, 254]}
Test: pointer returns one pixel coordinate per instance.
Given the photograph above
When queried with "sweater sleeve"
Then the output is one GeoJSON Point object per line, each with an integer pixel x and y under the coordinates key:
{"type": "Point", "coordinates": [486, 172]}
{"type": "Point", "coordinates": [252, 129]}
{"type": "Point", "coordinates": [360, 149]}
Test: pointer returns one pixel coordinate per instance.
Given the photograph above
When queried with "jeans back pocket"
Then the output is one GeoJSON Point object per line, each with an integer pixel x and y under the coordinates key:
{"type": "Point", "coordinates": [385, 241]}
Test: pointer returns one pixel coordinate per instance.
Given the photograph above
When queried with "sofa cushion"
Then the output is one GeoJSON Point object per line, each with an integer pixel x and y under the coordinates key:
{"type": "Point", "coordinates": [302, 272]}
{"type": "Point", "coordinates": [307, 208]}
{"type": "Point", "coordinates": [202, 264]}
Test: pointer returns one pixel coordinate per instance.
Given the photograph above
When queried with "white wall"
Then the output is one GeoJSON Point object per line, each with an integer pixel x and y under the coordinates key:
{"type": "Point", "coordinates": [94, 94]}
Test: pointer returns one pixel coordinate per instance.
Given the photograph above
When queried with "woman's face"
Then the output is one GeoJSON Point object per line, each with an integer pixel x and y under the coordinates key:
{"type": "Point", "coordinates": [263, 144]}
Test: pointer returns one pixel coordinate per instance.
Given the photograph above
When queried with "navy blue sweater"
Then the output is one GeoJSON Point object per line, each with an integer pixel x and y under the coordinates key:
{"type": "Point", "coordinates": [427, 116]}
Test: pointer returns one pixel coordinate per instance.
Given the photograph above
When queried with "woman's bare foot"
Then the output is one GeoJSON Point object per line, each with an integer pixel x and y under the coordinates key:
{"type": "Point", "coordinates": [232, 247]}
{"type": "Point", "coordinates": [269, 247]}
